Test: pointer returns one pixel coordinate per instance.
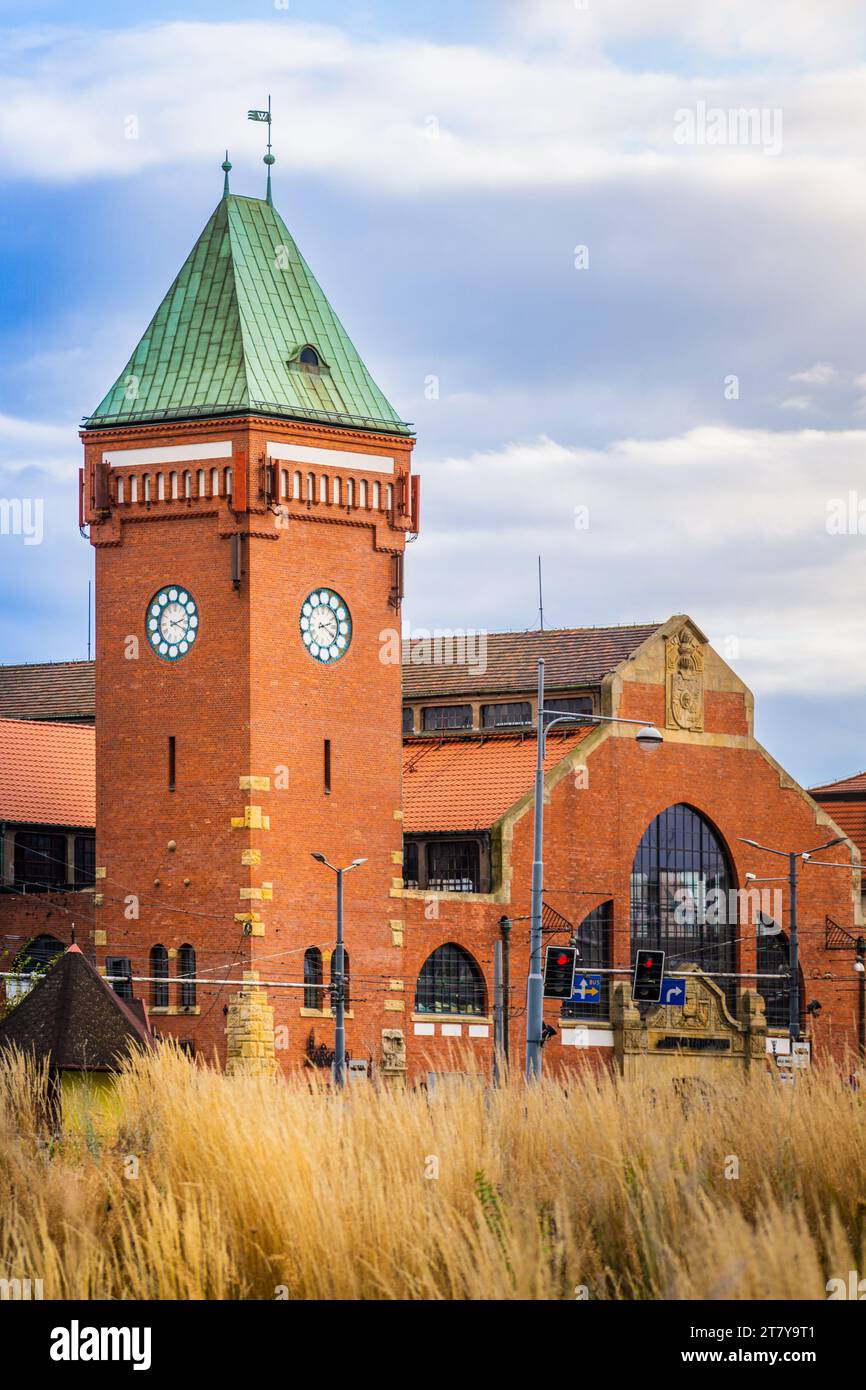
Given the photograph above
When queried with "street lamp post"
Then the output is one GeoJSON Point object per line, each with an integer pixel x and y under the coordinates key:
{"type": "Point", "coordinates": [339, 990]}
{"type": "Point", "coordinates": [648, 737]}
{"type": "Point", "coordinates": [793, 857]}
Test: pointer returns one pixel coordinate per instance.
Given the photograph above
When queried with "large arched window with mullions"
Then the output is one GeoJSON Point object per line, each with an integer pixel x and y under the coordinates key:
{"type": "Point", "coordinates": [450, 982]}
{"type": "Point", "coordinates": [680, 885]}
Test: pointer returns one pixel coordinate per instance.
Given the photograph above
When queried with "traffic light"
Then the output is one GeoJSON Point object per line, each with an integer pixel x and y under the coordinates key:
{"type": "Point", "coordinates": [649, 969]}
{"type": "Point", "coordinates": [559, 964]}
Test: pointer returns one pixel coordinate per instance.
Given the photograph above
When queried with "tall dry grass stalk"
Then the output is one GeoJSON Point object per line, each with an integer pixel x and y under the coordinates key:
{"type": "Point", "coordinates": [246, 1188]}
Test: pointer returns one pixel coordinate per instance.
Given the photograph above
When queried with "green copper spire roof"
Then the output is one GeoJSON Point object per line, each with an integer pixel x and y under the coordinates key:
{"type": "Point", "coordinates": [233, 334]}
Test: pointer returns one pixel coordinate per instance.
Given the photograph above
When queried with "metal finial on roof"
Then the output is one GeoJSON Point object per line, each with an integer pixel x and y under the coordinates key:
{"type": "Point", "coordinates": [227, 167]}
{"type": "Point", "coordinates": [269, 158]}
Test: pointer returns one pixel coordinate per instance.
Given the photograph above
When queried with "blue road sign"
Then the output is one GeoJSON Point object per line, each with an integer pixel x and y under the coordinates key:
{"type": "Point", "coordinates": [673, 992]}
{"type": "Point", "coordinates": [586, 989]}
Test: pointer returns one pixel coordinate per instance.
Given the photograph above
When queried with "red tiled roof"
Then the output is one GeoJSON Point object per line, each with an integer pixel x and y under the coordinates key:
{"type": "Point", "coordinates": [850, 816]}
{"type": "Point", "coordinates": [48, 690]}
{"type": "Point", "coordinates": [47, 773]}
{"type": "Point", "coordinates": [468, 783]}
{"type": "Point", "coordinates": [857, 783]}
{"type": "Point", "coordinates": [573, 656]}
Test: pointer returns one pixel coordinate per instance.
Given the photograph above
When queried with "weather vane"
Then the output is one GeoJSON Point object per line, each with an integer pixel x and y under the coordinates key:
{"type": "Point", "coordinates": [269, 158]}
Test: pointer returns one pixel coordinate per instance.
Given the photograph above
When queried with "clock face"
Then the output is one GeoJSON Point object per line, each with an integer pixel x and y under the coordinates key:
{"type": "Point", "coordinates": [326, 626]}
{"type": "Point", "coordinates": [172, 622]}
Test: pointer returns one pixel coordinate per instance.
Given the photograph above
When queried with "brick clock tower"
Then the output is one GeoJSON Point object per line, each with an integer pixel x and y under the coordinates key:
{"type": "Point", "coordinates": [248, 492]}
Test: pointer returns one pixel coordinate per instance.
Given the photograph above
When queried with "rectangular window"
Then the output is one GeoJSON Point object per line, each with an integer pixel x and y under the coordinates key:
{"type": "Point", "coordinates": [408, 719]}
{"type": "Point", "coordinates": [327, 767]}
{"type": "Point", "coordinates": [446, 717]}
{"type": "Point", "coordinates": [40, 861]}
{"type": "Point", "coordinates": [85, 861]}
{"type": "Point", "coordinates": [410, 864]}
{"type": "Point", "coordinates": [172, 762]}
{"type": "Point", "coordinates": [512, 712]}
{"type": "Point", "coordinates": [120, 965]}
{"type": "Point", "coordinates": [453, 866]}
{"type": "Point", "coordinates": [576, 705]}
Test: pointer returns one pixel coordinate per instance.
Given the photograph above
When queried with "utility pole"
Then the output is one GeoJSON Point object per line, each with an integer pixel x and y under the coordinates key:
{"type": "Point", "coordinates": [497, 1012]}
{"type": "Point", "coordinates": [647, 737]}
{"type": "Point", "coordinates": [860, 967]}
{"type": "Point", "coordinates": [339, 987]}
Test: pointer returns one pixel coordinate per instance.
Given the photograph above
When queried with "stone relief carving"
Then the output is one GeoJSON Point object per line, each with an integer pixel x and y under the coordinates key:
{"type": "Point", "coordinates": [684, 682]}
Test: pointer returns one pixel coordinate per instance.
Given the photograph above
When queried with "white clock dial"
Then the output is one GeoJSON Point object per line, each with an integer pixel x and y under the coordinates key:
{"type": "Point", "coordinates": [326, 627]}
{"type": "Point", "coordinates": [172, 622]}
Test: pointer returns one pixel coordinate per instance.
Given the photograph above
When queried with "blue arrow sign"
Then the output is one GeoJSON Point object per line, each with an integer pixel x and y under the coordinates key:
{"type": "Point", "coordinates": [586, 989]}
{"type": "Point", "coordinates": [673, 992]}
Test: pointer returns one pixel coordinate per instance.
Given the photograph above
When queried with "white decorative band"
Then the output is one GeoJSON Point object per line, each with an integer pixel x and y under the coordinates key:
{"type": "Point", "coordinates": [334, 458]}
{"type": "Point", "coordinates": [587, 1037]}
{"type": "Point", "coordinates": [174, 453]}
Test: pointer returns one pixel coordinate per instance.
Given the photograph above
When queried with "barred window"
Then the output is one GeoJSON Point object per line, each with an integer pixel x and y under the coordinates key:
{"type": "Point", "coordinates": [159, 977]}
{"type": "Point", "coordinates": [313, 998]}
{"type": "Point", "coordinates": [186, 975]}
{"type": "Point", "coordinates": [453, 866]}
{"type": "Point", "coordinates": [679, 862]}
{"type": "Point", "coordinates": [410, 864]}
{"type": "Point", "coordinates": [85, 861]}
{"type": "Point", "coordinates": [571, 704]}
{"type": "Point", "coordinates": [40, 861]}
{"type": "Point", "coordinates": [512, 712]}
{"type": "Point", "coordinates": [446, 717]}
{"type": "Point", "coordinates": [594, 943]}
{"type": "Point", "coordinates": [451, 982]}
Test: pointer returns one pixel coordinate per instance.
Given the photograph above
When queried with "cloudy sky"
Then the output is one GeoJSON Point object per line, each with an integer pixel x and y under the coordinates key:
{"type": "Point", "coordinates": [626, 321]}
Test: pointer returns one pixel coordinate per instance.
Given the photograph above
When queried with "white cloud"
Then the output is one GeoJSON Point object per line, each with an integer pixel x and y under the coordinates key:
{"type": "Point", "coordinates": [406, 115]}
{"type": "Point", "coordinates": [25, 445]}
{"type": "Point", "coordinates": [821, 374]}
{"type": "Point", "coordinates": [728, 525]}
{"type": "Point", "coordinates": [798, 403]}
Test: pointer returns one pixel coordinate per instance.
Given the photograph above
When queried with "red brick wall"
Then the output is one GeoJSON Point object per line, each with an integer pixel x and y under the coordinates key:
{"type": "Point", "coordinates": [248, 700]}
{"type": "Point", "coordinates": [591, 834]}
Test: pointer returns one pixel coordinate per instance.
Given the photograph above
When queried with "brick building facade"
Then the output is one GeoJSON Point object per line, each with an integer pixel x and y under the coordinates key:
{"type": "Point", "coordinates": [248, 492]}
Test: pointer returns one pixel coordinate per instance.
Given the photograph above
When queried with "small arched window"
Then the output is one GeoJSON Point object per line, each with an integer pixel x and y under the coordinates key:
{"type": "Point", "coordinates": [362, 493]}
{"type": "Point", "coordinates": [160, 487]}
{"type": "Point", "coordinates": [174, 487]}
{"type": "Point", "coordinates": [133, 488]}
{"type": "Point", "coordinates": [313, 976]}
{"type": "Point", "coordinates": [350, 492]}
{"type": "Point", "coordinates": [228, 482]}
{"type": "Point", "coordinates": [147, 487]}
{"type": "Point", "coordinates": [335, 492]}
{"type": "Point", "coordinates": [296, 487]}
{"type": "Point", "coordinates": [451, 982]}
{"type": "Point", "coordinates": [120, 489]}
{"type": "Point", "coordinates": [284, 483]}
{"type": "Point", "coordinates": [311, 486]}
{"type": "Point", "coordinates": [159, 977]}
{"type": "Point", "coordinates": [345, 974]}
{"type": "Point", "coordinates": [186, 975]}
{"type": "Point", "coordinates": [214, 482]}
{"type": "Point", "coordinates": [202, 482]}
{"type": "Point", "coordinates": [323, 488]}
{"type": "Point", "coordinates": [187, 484]}
{"type": "Point", "coordinates": [389, 497]}
{"type": "Point", "coordinates": [309, 359]}
{"type": "Point", "coordinates": [377, 495]}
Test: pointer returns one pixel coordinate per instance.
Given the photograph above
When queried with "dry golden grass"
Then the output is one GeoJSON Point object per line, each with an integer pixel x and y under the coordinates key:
{"type": "Point", "coordinates": [246, 1186]}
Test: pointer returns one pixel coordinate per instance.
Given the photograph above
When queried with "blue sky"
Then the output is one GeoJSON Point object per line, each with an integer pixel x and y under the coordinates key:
{"type": "Point", "coordinates": [439, 164]}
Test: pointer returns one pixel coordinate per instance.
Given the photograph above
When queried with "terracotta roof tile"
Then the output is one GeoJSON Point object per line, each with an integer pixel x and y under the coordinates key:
{"type": "Point", "coordinates": [575, 656]}
{"type": "Point", "coordinates": [48, 690]}
{"type": "Point", "coordinates": [850, 816]}
{"type": "Point", "coordinates": [857, 783]}
{"type": "Point", "coordinates": [47, 773]}
{"type": "Point", "coordinates": [468, 783]}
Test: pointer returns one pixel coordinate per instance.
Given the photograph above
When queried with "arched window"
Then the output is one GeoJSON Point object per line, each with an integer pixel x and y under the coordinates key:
{"type": "Point", "coordinates": [284, 484]}
{"type": "Point", "coordinates": [323, 487]}
{"type": "Point", "coordinates": [296, 487]}
{"type": "Point", "coordinates": [202, 482]}
{"type": "Point", "coordinates": [311, 486]}
{"type": "Point", "coordinates": [350, 492]}
{"type": "Point", "coordinates": [593, 939]}
{"type": "Point", "coordinates": [773, 959]}
{"type": "Point", "coordinates": [450, 982]}
{"type": "Point", "coordinates": [345, 973]}
{"type": "Point", "coordinates": [313, 998]}
{"type": "Point", "coordinates": [120, 489]}
{"type": "Point", "coordinates": [160, 487]}
{"type": "Point", "coordinates": [377, 495]}
{"type": "Point", "coordinates": [147, 487]}
{"type": "Point", "coordinates": [159, 977]}
{"type": "Point", "coordinates": [228, 481]}
{"type": "Point", "coordinates": [186, 975]}
{"type": "Point", "coordinates": [335, 492]}
{"type": "Point", "coordinates": [174, 487]}
{"type": "Point", "coordinates": [133, 488]}
{"type": "Point", "coordinates": [362, 493]}
{"type": "Point", "coordinates": [680, 885]}
{"type": "Point", "coordinates": [389, 497]}
{"type": "Point", "coordinates": [309, 358]}
{"type": "Point", "coordinates": [187, 484]}
{"type": "Point", "coordinates": [214, 482]}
